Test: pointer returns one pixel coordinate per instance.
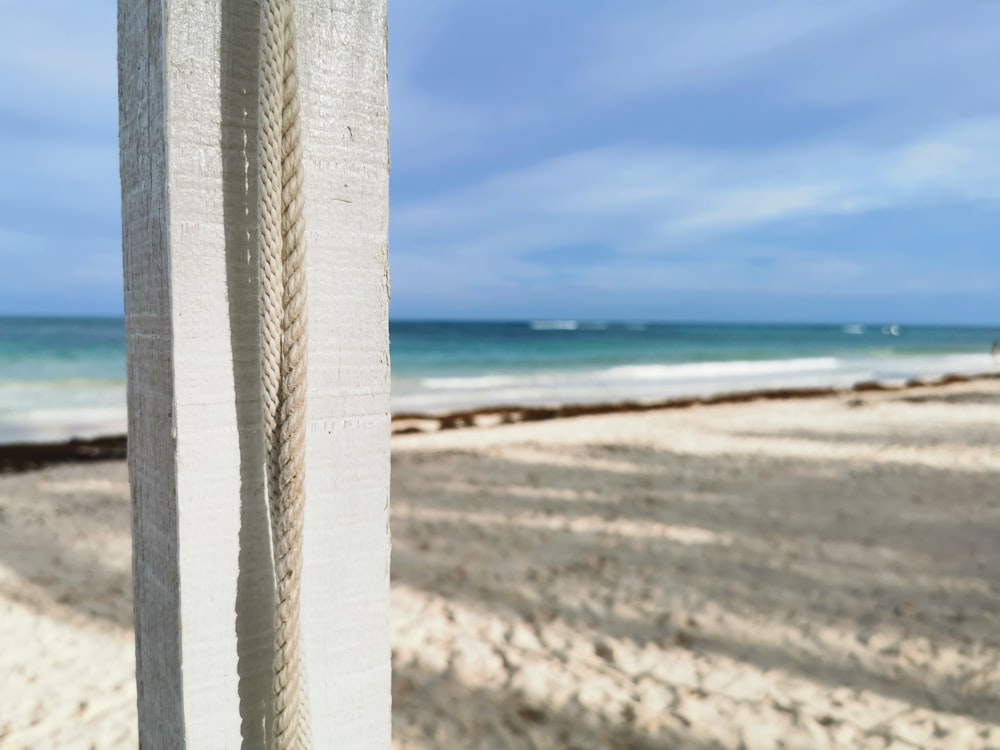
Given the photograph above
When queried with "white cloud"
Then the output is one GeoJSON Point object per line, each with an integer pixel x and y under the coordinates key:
{"type": "Point", "coordinates": [881, 70]}
{"type": "Point", "coordinates": [709, 191]}
{"type": "Point", "coordinates": [650, 207]}
{"type": "Point", "coordinates": [903, 82]}
{"type": "Point", "coordinates": [753, 205]}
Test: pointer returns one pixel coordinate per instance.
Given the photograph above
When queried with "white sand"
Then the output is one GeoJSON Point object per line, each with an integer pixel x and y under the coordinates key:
{"type": "Point", "coordinates": [66, 647]}
{"type": "Point", "coordinates": [801, 574]}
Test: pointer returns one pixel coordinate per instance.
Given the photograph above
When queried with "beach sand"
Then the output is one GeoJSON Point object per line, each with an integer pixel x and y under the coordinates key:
{"type": "Point", "coordinates": [801, 574]}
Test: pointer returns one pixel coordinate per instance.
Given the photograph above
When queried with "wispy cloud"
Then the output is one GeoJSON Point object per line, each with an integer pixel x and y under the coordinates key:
{"type": "Point", "coordinates": [598, 155]}
{"type": "Point", "coordinates": [668, 192]}
{"type": "Point", "coordinates": [673, 219]}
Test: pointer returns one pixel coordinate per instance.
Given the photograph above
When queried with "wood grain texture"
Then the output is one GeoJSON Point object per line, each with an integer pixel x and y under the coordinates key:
{"type": "Point", "coordinates": [187, 79]}
{"type": "Point", "coordinates": [152, 466]}
{"type": "Point", "coordinates": [344, 92]}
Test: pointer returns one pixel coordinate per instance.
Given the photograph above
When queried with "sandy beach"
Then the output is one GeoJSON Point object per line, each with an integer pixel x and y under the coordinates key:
{"type": "Point", "coordinates": [818, 573]}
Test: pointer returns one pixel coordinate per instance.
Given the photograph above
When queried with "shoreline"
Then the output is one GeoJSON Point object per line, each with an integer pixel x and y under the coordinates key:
{"type": "Point", "coordinates": [28, 456]}
{"type": "Point", "coordinates": [406, 423]}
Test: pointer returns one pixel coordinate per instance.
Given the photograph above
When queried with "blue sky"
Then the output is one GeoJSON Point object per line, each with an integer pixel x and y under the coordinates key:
{"type": "Point", "coordinates": [782, 160]}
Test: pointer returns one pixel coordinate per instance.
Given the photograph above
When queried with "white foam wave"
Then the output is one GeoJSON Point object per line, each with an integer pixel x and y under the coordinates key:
{"type": "Point", "coordinates": [713, 370]}
{"type": "Point", "coordinates": [60, 409]}
{"type": "Point", "coordinates": [554, 325]}
{"type": "Point", "coordinates": [479, 381]}
{"type": "Point", "coordinates": [652, 382]}
{"type": "Point", "coordinates": [624, 373]}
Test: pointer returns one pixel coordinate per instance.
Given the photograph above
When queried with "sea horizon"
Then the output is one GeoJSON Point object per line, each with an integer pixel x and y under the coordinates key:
{"type": "Point", "coordinates": [611, 319]}
{"type": "Point", "coordinates": [64, 376]}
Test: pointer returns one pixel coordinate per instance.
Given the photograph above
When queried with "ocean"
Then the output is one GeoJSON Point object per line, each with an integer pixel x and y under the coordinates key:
{"type": "Point", "coordinates": [65, 377]}
{"type": "Point", "coordinates": [60, 378]}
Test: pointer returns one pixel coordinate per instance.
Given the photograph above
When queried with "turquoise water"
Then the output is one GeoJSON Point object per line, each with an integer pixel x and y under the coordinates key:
{"type": "Point", "coordinates": [63, 377]}
{"type": "Point", "coordinates": [442, 366]}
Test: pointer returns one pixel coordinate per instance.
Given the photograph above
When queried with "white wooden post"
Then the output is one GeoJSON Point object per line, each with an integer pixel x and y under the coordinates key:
{"type": "Point", "coordinates": [203, 587]}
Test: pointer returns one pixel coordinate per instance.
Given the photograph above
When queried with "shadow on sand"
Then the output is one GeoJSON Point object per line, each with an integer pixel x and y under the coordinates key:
{"type": "Point", "coordinates": [838, 568]}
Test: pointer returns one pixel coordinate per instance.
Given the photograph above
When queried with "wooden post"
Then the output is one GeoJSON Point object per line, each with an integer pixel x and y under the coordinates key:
{"type": "Point", "coordinates": [203, 582]}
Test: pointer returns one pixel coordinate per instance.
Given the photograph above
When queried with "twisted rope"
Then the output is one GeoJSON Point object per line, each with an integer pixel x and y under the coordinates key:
{"type": "Point", "coordinates": [283, 355]}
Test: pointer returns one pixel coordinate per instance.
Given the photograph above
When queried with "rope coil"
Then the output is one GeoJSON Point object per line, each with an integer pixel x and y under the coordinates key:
{"type": "Point", "coordinates": [282, 294]}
